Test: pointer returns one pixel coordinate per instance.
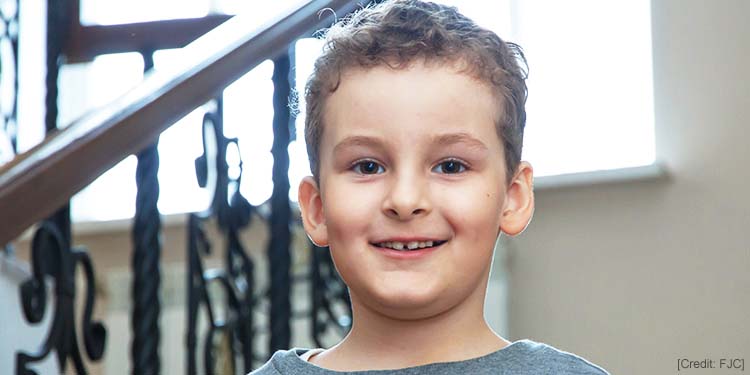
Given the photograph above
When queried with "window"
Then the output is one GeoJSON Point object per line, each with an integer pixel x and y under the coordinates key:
{"type": "Point", "coordinates": [590, 103]}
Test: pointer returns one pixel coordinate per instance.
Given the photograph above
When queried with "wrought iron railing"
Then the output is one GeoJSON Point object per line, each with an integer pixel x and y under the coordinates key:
{"type": "Point", "coordinates": [36, 187]}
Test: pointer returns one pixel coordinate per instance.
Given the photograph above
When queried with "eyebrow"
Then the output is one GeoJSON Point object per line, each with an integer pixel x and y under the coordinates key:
{"type": "Point", "coordinates": [453, 138]}
{"type": "Point", "coordinates": [357, 140]}
{"type": "Point", "coordinates": [440, 140]}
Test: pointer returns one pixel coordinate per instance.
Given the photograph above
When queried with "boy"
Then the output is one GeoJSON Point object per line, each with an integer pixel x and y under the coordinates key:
{"type": "Point", "coordinates": [414, 128]}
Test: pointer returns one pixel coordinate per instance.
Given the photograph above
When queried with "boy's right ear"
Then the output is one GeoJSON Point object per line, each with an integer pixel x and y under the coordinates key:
{"type": "Point", "coordinates": [311, 207]}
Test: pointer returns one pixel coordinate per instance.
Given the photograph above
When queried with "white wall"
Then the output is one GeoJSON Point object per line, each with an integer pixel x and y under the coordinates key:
{"type": "Point", "coordinates": [16, 334]}
{"type": "Point", "coordinates": [635, 276]}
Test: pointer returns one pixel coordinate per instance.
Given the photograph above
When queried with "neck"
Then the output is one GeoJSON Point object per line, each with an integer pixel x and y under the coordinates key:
{"type": "Point", "coordinates": [379, 341]}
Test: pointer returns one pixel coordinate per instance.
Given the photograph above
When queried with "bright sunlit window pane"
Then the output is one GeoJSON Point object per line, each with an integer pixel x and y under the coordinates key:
{"type": "Point", "coordinates": [590, 103]}
{"type": "Point", "coordinates": [248, 116]}
{"type": "Point", "coordinates": [253, 7]}
{"type": "Point", "coordinates": [306, 51]}
{"type": "Point", "coordinates": [179, 146]}
{"type": "Point", "coordinates": [494, 15]}
{"type": "Point", "coordinates": [111, 12]}
{"type": "Point", "coordinates": [112, 195]}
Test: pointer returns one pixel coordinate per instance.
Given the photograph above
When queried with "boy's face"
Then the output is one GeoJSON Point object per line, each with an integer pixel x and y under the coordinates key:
{"type": "Point", "coordinates": [412, 155]}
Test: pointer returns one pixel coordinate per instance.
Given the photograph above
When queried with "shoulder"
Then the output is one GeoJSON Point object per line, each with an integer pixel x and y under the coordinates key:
{"type": "Point", "coordinates": [546, 359]}
{"type": "Point", "coordinates": [282, 362]}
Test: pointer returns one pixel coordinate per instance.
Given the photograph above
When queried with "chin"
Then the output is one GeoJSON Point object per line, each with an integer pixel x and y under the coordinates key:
{"type": "Point", "coordinates": [413, 312]}
{"type": "Point", "coordinates": [407, 305]}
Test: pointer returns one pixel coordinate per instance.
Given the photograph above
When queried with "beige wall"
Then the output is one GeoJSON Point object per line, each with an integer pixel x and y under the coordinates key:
{"type": "Point", "coordinates": [635, 276]}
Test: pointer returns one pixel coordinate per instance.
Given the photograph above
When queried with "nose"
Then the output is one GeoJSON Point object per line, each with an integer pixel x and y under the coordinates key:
{"type": "Point", "coordinates": [407, 197]}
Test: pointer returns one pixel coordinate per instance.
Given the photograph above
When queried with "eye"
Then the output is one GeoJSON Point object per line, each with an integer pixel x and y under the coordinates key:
{"type": "Point", "coordinates": [450, 167]}
{"type": "Point", "coordinates": [368, 167]}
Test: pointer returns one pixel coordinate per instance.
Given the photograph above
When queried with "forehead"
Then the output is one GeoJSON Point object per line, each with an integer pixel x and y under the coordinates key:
{"type": "Point", "coordinates": [420, 98]}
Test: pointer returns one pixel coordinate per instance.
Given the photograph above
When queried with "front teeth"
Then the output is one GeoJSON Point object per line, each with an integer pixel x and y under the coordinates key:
{"type": "Point", "coordinates": [410, 245]}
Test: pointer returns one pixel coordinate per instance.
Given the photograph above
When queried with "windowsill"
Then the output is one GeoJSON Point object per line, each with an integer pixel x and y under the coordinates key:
{"type": "Point", "coordinates": [653, 172]}
{"type": "Point", "coordinates": [123, 225]}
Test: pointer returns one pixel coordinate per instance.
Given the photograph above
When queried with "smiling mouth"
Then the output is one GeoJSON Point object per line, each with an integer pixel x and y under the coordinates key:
{"type": "Point", "coordinates": [408, 246]}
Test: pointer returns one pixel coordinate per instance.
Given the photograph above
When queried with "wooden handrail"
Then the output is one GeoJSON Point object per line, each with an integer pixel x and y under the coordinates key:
{"type": "Point", "coordinates": [41, 180]}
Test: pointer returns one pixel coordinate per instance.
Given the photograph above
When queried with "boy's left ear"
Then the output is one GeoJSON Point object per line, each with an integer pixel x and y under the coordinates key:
{"type": "Point", "coordinates": [518, 207]}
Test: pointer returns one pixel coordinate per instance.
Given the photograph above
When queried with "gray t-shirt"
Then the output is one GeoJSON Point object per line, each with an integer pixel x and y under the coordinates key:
{"type": "Point", "coordinates": [519, 358]}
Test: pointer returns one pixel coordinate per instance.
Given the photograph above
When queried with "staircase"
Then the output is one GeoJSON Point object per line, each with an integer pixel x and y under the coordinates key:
{"type": "Point", "coordinates": [36, 188]}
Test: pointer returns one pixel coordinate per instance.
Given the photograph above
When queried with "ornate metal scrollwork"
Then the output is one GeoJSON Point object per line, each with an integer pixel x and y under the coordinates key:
{"type": "Point", "coordinates": [53, 257]}
{"type": "Point", "coordinates": [51, 254]}
{"type": "Point", "coordinates": [232, 213]}
{"type": "Point", "coordinates": [328, 291]}
{"type": "Point", "coordinates": [9, 21]}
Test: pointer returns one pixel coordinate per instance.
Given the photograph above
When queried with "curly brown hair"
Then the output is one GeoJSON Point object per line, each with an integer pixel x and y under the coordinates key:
{"type": "Point", "coordinates": [399, 32]}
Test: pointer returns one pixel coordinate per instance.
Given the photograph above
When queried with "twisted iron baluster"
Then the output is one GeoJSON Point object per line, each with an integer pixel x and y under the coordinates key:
{"type": "Point", "coordinates": [57, 19]}
{"type": "Point", "coordinates": [279, 257]}
{"type": "Point", "coordinates": [145, 262]}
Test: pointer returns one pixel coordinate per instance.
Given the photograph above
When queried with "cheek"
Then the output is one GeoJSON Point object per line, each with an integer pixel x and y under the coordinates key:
{"type": "Point", "coordinates": [349, 210]}
{"type": "Point", "coordinates": [349, 213]}
{"type": "Point", "coordinates": [475, 210]}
